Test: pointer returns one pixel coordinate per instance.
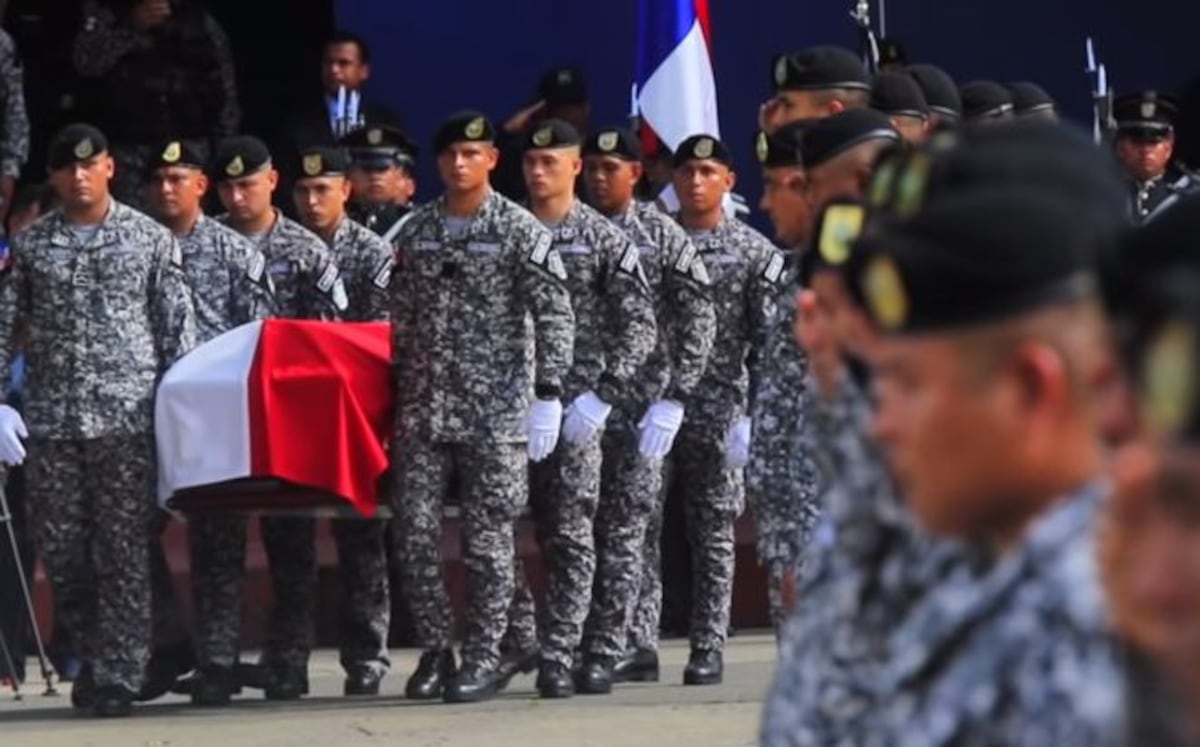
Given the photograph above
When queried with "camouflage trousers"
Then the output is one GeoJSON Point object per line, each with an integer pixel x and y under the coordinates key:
{"type": "Point", "coordinates": [563, 493]}
{"type": "Point", "coordinates": [217, 545]}
{"type": "Point", "coordinates": [645, 610]}
{"type": "Point", "coordinates": [365, 601]}
{"type": "Point", "coordinates": [93, 504]}
{"type": "Point", "coordinates": [494, 486]}
{"type": "Point", "coordinates": [630, 493]}
{"type": "Point", "coordinates": [166, 618]}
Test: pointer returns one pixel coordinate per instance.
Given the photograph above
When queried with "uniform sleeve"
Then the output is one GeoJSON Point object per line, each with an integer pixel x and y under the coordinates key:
{"type": "Point", "coordinates": [229, 119]}
{"type": "Point", "coordinates": [693, 319]}
{"type": "Point", "coordinates": [172, 313]}
{"type": "Point", "coordinates": [402, 309]}
{"type": "Point", "coordinates": [14, 146]}
{"type": "Point", "coordinates": [761, 291]}
{"type": "Point", "coordinates": [632, 328]}
{"type": "Point", "coordinates": [541, 278]}
{"type": "Point", "coordinates": [377, 266]}
{"type": "Point", "coordinates": [14, 307]}
{"type": "Point", "coordinates": [102, 41]}
{"type": "Point", "coordinates": [325, 291]}
{"type": "Point", "coordinates": [252, 295]}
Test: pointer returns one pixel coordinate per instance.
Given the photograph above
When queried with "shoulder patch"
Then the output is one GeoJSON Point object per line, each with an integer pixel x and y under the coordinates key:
{"type": "Point", "coordinates": [555, 265]}
{"type": "Point", "coordinates": [176, 253]}
{"type": "Point", "coordinates": [773, 269]}
{"type": "Point", "coordinates": [258, 265]}
{"type": "Point", "coordinates": [328, 278]}
{"type": "Point", "coordinates": [542, 250]}
{"type": "Point", "coordinates": [630, 259]}
{"type": "Point", "coordinates": [339, 295]}
{"type": "Point", "coordinates": [685, 257]}
{"type": "Point", "coordinates": [699, 272]}
{"type": "Point", "coordinates": [383, 275]}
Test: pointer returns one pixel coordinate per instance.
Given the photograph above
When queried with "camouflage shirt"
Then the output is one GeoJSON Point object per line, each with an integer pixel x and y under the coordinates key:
{"type": "Point", "coordinates": [366, 264]}
{"type": "Point", "coordinates": [105, 315]}
{"type": "Point", "coordinates": [228, 277]}
{"type": "Point", "coordinates": [306, 279]}
{"type": "Point", "coordinates": [14, 137]}
{"type": "Point", "coordinates": [464, 311]}
{"type": "Point", "coordinates": [614, 316]}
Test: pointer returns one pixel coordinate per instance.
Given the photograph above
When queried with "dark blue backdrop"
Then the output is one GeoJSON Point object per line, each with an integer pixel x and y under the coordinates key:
{"type": "Point", "coordinates": [437, 56]}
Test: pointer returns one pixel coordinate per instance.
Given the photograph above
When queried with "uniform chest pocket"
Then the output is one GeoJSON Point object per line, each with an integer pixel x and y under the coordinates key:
{"type": "Point", "coordinates": [122, 263]}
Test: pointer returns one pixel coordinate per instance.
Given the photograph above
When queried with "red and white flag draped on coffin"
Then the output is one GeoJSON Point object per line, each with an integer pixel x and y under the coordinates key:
{"type": "Point", "coordinates": [309, 403]}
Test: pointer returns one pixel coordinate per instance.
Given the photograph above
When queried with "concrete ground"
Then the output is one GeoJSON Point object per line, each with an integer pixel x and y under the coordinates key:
{"type": "Point", "coordinates": [655, 715]}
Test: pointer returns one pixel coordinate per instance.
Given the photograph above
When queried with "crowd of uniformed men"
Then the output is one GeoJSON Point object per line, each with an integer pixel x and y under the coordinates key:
{"type": "Point", "coordinates": [958, 394]}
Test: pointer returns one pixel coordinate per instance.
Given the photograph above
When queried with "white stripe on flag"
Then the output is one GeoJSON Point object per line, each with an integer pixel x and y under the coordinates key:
{"type": "Point", "coordinates": [202, 413]}
{"type": "Point", "coordinates": [679, 98]}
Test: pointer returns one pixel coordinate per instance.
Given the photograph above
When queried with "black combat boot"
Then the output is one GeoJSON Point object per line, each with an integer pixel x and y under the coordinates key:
{"type": "Point", "coordinates": [704, 667]}
{"type": "Point", "coordinates": [434, 672]}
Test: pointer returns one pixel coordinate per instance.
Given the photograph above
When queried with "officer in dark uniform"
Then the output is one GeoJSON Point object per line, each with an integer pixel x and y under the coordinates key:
{"type": "Point", "coordinates": [382, 182]}
{"type": "Point", "coordinates": [1145, 146]}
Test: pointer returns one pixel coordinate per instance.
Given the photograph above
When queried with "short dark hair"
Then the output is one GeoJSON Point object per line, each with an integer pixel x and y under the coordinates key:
{"type": "Point", "coordinates": [349, 37]}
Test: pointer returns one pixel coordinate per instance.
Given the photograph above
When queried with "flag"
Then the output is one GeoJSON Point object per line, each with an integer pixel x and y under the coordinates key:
{"type": "Point", "coordinates": [309, 403]}
{"type": "Point", "coordinates": [677, 94]}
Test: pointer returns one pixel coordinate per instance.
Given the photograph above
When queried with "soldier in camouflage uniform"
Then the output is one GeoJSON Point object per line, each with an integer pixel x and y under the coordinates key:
{"type": "Point", "coordinates": [230, 287]}
{"type": "Point", "coordinates": [365, 260]}
{"type": "Point", "coordinates": [615, 330]}
{"type": "Point", "coordinates": [714, 441]}
{"type": "Point", "coordinates": [643, 425]}
{"type": "Point", "coordinates": [100, 292]}
{"type": "Point", "coordinates": [308, 285]}
{"type": "Point", "coordinates": [14, 121]}
{"type": "Point", "coordinates": [472, 268]}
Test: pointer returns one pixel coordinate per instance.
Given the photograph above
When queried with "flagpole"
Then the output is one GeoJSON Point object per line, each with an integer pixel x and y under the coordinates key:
{"type": "Point", "coordinates": [883, 18]}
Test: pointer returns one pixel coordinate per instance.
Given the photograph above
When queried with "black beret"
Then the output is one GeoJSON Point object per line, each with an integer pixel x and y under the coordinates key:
{"type": "Point", "coordinates": [1030, 98]}
{"type": "Point", "coordinates": [74, 143]}
{"type": "Point", "coordinates": [899, 95]}
{"type": "Point", "coordinates": [782, 148]}
{"type": "Point", "coordinates": [618, 142]}
{"type": "Point", "coordinates": [176, 152]}
{"type": "Point", "coordinates": [1148, 114]}
{"type": "Point", "coordinates": [832, 136]}
{"type": "Point", "coordinates": [379, 146]}
{"type": "Point", "coordinates": [702, 148]}
{"type": "Point", "coordinates": [985, 99]}
{"type": "Point", "coordinates": [463, 127]}
{"type": "Point", "coordinates": [551, 134]}
{"type": "Point", "coordinates": [819, 68]}
{"type": "Point", "coordinates": [940, 91]}
{"type": "Point", "coordinates": [322, 160]}
{"type": "Point", "coordinates": [240, 156]}
{"type": "Point", "coordinates": [563, 86]}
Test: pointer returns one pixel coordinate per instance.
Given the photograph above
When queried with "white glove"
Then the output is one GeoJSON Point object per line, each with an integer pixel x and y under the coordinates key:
{"type": "Point", "coordinates": [585, 417]}
{"type": "Point", "coordinates": [12, 430]}
{"type": "Point", "coordinates": [737, 446]}
{"type": "Point", "coordinates": [659, 427]}
{"type": "Point", "coordinates": [542, 426]}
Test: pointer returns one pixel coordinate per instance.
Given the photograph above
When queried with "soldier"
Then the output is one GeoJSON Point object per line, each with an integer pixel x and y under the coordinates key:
{"type": "Point", "coordinates": [900, 97]}
{"type": "Point", "coordinates": [365, 261]}
{"type": "Point", "coordinates": [229, 287]}
{"type": "Point", "coordinates": [945, 105]}
{"type": "Point", "coordinates": [14, 121]}
{"type": "Point", "coordinates": [382, 183]}
{"type": "Point", "coordinates": [713, 444]}
{"type": "Point", "coordinates": [308, 285]}
{"type": "Point", "coordinates": [1030, 101]}
{"type": "Point", "coordinates": [814, 83]}
{"type": "Point", "coordinates": [163, 70]}
{"type": "Point", "coordinates": [985, 101]}
{"type": "Point", "coordinates": [89, 404]}
{"type": "Point", "coordinates": [840, 152]}
{"type": "Point", "coordinates": [472, 267]}
{"type": "Point", "coordinates": [1145, 144]}
{"type": "Point", "coordinates": [642, 428]}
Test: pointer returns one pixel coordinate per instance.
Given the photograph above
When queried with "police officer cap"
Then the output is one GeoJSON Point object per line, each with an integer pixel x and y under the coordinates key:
{"type": "Point", "coordinates": [702, 148]}
{"type": "Point", "coordinates": [940, 91]}
{"type": "Point", "coordinates": [1145, 114]}
{"type": "Point", "coordinates": [380, 146]}
{"type": "Point", "coordinates": [1030, 98]}
{"type": "Point", "coordinates": [176, 152]}
{"type": "Point", "coordinates": [783, 147]}
{"type": "Point", "coordinates": [463, 127]}
{"type": "Point", "coordinates": [74, 143]}
{"type": "Point", "coordinates": [322, 160]}
{"type": "Point", "coordinates": [552, 134]}
{"type": "Point", "coordinates": [898, 94]}
{"type": "Point", "coordinates": [985, 99]}
{"type": "Point", "coordinates": [819, 68]}
{"type": "Point", "coordinates": [240, 156]}
{"type": "Point", "coordinates": [830, 137]}
{"type": "Point", "coordinates": [618, 142]}
{"type": "Point", "coordinates": [563, 86]}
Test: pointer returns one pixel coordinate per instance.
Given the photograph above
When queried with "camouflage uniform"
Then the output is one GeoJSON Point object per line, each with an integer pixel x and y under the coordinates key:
{"type": "Point", "coordinates": [366, 265]}
{"type": "Point", "coordinates": [463, 357]}
{"type": "Point", "coordinates": [745, 269]}
{"type": "Point", "coordinates": [14, 132]}
{"type": "Point", "coordinates": [307, 285]}
{"type": "Point", "coordinates": [614, 332]}
{"type": "Point", "coordinates": [630, 484]}
{"type": "Point", "coordinates": [230, 287]}
{"type": "Point", "coordinates": [782, 479]}
{"type": "Point", "coordinates": [105, 317]}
